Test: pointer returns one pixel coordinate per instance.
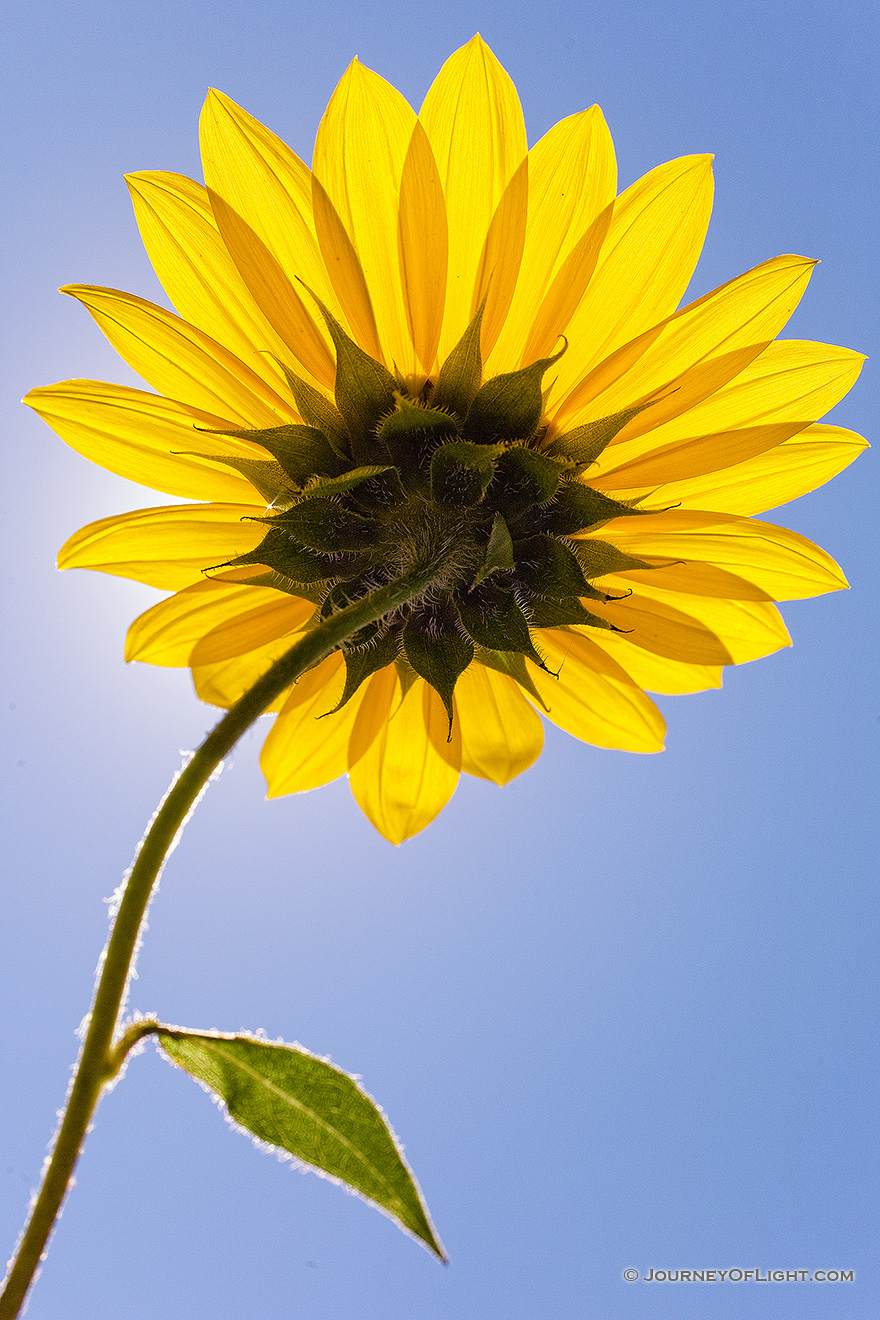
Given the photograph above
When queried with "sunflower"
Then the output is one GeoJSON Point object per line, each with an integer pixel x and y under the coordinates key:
{"type": "Point", "coordinates": [438, 342]}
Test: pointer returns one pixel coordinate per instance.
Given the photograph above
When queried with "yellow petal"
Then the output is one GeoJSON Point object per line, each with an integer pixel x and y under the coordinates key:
{"type": "Point", "coordinates": [181, 361]}
{"type": "Point", "coordinates": [183, 243]}
{"type": "Point", "coordinates": [782, 563]}
{"type": "Point", "coordinates": [572, 181]}
{"type": "Point", "coordinates": [261, 195]}
{"type": "Point", "coordinates": [404, 780]}
{"type": "Point", "coordinates": [474, 122]}
{"type": "Point", "coordinates": [593, 698]}
{"type": "Point", "coordinates": [307, 746]}
{"type": "Point", "coordinates": [222, 684]}
{"type": "Point", "coordinates": [500, 733]}
{"type": "Point", "coordinates": [166, 633]}
{"type": "Point", "coordinates": [702, 629]}
{"type": "Point", "coordinates": [498, 268]}
{"type": "Point", "coordinates": [696, 352]}
{"type": "Point", "coordinates": [656, 673]}
{"type": "Point", "coordinates": [424, 247]}
{"type": "Point", "coordinates": [645, 265]}
{"type": "Point", "coordinates": [142, 437]}
{"type": "Point", "coordinates": [658, 626]}
{"type": "Point", "coordinates": [800, 464]}
{"type": "Point", "coordinates": [359, 155]}
{"type": "Point", "coordinates": [789, 385]}
{"type": "Point", "coordinates": [252, 629]}
{"type": "Point", "coordinates": [167, 547]}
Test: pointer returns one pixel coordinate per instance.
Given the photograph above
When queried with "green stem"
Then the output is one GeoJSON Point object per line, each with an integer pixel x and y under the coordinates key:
{"type": "Point", "coordinates": [100, 1058]}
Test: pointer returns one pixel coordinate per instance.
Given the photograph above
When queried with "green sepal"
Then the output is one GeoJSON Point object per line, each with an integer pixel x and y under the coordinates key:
{"type": "Point", "coordinates": [317, 411]}
{"type": "Point", "coordinates": [514, 666]}
{"type": "Point", "coordinates": [492, 618]}
{"type": "Point", "coordinates": [410, 435]}
{"type": "Point", "coordinates": [302, 1105]}
{"type": "Point", "coordinates": [365, 390]}
{"type": "Point", "coordinates": [547, 567]}
{"type": "Point", "coordinates": [293, 561]}
{"type": "Point", "coordinates": [362, 662]}
{"type": "Point", "coordinates": [598, 557]}
{"type": "Point", "coordinates": [323, 524]}
{"type": "Point", "coordinates": [461, 472]}
{"type": "Point", "coordinates": [266, 476]}
{"type": "Point", "coordinates": [461, 373]}
{"type": "Point", "coordinates": [508, 407]}
{"type": "Point", "coordinates": [585, 443]}
{"type": "Point", "coordinates": [578, 507]}
{"type": "Point", "coordinates": [524, 478]}
{"type": "Point", "coordinates": [499, 551]}
{"type": "Point", "coordinates": [547, 612]}
{"type": "Point", "coordinates": [438, 651]}
{"type": "Point", "coordinates": [278, 582]}
{"type": "Point", "coordinates": [347, 481]}
{"type": "Point", "coordinates": [302, 451]}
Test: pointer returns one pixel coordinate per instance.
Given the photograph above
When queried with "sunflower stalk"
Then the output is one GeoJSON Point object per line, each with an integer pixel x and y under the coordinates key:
{"type": "Point", "coordinates": [103, 1053]}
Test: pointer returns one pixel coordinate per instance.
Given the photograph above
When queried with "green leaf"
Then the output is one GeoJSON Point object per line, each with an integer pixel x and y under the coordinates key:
{"type": "Point", "coordinates": [508, 407]}
{"type": "Point", "coordinates": [499, 551]}
{"type": "Point", "coordinates": [294, 1101]}
{"type": "Point", "coordinates": [461, 472]}
{"type": "Point", "coordinates": [461, 373]}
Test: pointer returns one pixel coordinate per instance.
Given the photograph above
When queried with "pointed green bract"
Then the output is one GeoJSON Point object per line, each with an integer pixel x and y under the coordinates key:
{"type": "Point", "coordinates": [411, 434]}
{"type": "Point", "coordinates": [461, 373]}
{"type": "Point", "coordinates": [499, 551]}
{"type": "Point", "coordinates": [364, 661]}
{"type": "Point", "coordinates": [461, 472]}
{"type": "Point", "coordinates": [266, 476]}
{"type": "Point", "coordinates": [546, 566]}
{"type": "Point", "coordinates": [302, 451]}
{"type": "Point", "coordinates": [548, 612]}
{"type": "Point", "coordinates": [585, 443]}
{"type": "Point", "coordinates": [578, 507]}
{"type": "Point", "coordinates": [326, 525]}
{"type": "Point", "coordinates": [365, 390]}
{"type": "Point", "coordinates": [598, 557]}
{"type": "Point", "coordinates": [297, 1103]}
{"type": "Point", "coordinates": [492, 618]}
{"type": "Point", "coordinates": [293, 561]}
{"type": "Point", "coordinates": [524, 478]}
{"type": "Point", "coordinates": [438, 652]}
{"type": "Point", "coordinates": [318, 411]}
{"type": "Point", "coordinates": [508, 407]}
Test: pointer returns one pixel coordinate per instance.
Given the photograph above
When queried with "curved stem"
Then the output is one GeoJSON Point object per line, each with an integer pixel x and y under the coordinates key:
{"type": "Point", "coordinates": [100, 1059]}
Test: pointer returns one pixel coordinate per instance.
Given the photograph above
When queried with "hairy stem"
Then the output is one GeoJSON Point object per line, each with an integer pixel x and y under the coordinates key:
{"type": "Point", "coordinates": [101, 1056]}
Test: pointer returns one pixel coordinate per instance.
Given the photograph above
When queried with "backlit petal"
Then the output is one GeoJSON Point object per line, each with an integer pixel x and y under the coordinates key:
{"type": "Point", "coordinates": [189, 256]}
{"type": "Point", "coordinates": [306, 746]}
{"type": "Point", "coordinates": [572, 181]}
{"type": "Point", "coordinates": [143, 437]}
{"type": "Point", "coordinates": [404, 780]}
{"type": "Point", "coordinates": [656, 673]}
{"type": "Point", "coordinates": [593, 698]}
{"type": "Point", "coordinates": [647, 259]}
{"type": "Point", "coordinates": [168, 547]}
{"type": "Point", "coordinates": [782, 563]}
{"type": "Point", "coordinates": [181, 361]}
{"type": "Point", "coordinates": [500, 733]}
{"type": "Point", "coordinates": [166, 633]}
{"type": "Point", "coordinates": [702, 629]}
{"type": "Point", "coordinates": [423, 238]}
{"type": "Point", "coordinates": [359, 155]}
{"type": "Point", "coordinates": [474, 122]}
{"type": "Point", "coordinates": [261, 195]}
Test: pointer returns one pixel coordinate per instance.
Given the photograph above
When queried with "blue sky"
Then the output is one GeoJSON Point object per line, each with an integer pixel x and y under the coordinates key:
{"type": "Point", "coordinates": [621, 1013]}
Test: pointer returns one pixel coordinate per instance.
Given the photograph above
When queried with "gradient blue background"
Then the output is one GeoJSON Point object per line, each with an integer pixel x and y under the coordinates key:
{"type": "Point", "coordinates": [622, 1013]}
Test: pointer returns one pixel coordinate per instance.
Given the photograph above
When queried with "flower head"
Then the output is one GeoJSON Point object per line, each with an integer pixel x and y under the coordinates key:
{"type": "Point", "coordinates": [439, 346]}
